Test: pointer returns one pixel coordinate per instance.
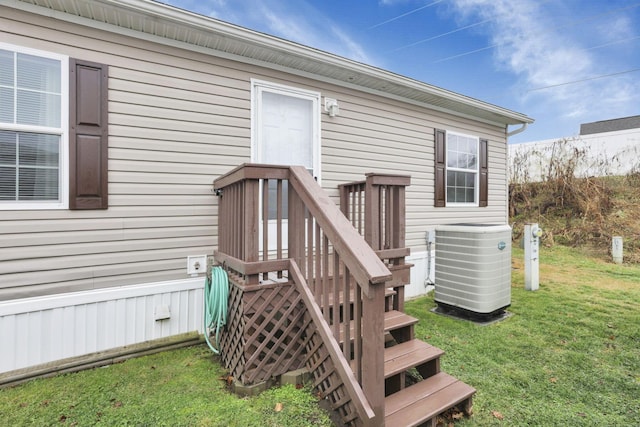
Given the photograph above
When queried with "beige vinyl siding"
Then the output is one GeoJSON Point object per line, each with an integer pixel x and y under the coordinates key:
{"type": "Point", "coordinates": [381, 135]}
{"type": "Point", "coordinates": [171, 132]}
{"type": "Point", "coordinates": [179, 119]}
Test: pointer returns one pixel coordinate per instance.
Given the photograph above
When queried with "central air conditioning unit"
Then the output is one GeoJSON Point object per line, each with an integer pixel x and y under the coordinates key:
{"type": "Point", "coordinates": [473, 268]}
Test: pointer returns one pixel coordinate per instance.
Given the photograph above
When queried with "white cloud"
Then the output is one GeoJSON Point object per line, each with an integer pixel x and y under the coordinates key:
{"type": "Point", "coordinates": [299, 22]}
{"type": "Point", "coordinates": [615, 29]}
{"type": "Point", "coordinates": [218, 9]}
{"type": "Point", "coordinates": [287, 27]}
{"type": "Point", "coordinates": [354, 49]}
{"type": "Point", "coordinates": [541, 55]}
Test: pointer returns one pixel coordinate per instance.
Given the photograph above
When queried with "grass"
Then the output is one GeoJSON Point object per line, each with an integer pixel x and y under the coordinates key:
{"type": "Point", "coordinates": [175, 388]}
{"type": "Point", "coordinates": [568, 356]}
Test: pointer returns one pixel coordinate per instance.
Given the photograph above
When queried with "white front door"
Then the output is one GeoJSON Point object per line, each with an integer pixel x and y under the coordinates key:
{"type": "Point", "coordinates": [285, 131]}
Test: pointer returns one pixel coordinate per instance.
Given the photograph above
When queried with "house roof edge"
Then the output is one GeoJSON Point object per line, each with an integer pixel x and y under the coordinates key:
{"type": "Point", "coordinates": [269, 50]}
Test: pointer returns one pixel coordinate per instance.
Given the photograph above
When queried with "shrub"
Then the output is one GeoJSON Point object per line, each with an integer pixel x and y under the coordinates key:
{"type": "Point", "coordinates": [574, 197]}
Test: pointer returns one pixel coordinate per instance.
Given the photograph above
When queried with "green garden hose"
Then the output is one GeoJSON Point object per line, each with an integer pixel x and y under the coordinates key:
{"type": "Point", "coordinates": [216, 294]}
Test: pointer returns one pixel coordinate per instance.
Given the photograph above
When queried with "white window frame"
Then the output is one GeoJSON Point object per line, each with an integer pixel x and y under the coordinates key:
{"type": "Point", "coordinates": [476, 189]}
{"type": "Point", "coordinates": [260, 86]}
{"type": "Point", "coordinates": [62, 131]}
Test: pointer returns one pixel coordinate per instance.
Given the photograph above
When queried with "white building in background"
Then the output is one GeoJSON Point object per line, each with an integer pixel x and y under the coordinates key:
{"type": "Point", "coordinates": [608, 147]}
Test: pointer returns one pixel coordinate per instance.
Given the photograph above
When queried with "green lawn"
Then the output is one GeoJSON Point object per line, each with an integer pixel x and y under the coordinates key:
{"type": "Point", "coordinates": [182, 387]}
{"type": "Point", "coordinates": [568, 356]}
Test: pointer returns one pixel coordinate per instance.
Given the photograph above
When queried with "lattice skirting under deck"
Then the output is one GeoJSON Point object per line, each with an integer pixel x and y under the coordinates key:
{"type": "Point", "coordinates": [265, 335]}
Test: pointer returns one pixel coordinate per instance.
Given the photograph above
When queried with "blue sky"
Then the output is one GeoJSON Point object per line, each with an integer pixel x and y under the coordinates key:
{"type": "Point", "coordinates": [561, 62]}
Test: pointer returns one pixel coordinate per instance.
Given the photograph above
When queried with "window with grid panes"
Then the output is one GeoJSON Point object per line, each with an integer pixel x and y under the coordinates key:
{"type": "Point", "coordinates": [462, 168]}
{"type": "Point", "coordinates": [32, 128]}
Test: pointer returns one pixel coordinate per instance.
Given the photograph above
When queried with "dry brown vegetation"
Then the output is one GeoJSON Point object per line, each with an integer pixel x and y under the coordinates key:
{"type": "Point", "coordinates": [574, 209]}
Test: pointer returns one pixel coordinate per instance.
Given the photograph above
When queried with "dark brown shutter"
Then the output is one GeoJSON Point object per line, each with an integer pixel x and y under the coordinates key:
{"type": "Point", "coordinates": [441, 158]}
{"type": "Point", "coordinates": [484, 173]}
{"type": "Point", "coordinates": [88, 149]}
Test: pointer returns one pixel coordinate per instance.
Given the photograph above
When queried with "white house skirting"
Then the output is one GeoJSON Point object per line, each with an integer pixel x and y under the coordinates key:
{"type": "Point", "coordinates": [39, 330]}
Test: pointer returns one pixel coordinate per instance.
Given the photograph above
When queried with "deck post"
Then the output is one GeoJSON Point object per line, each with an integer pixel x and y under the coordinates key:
{"type": "Point", "coordinates": [296, 232]}
{"type": "Point", "coordinates": [385, 220]}
{"type": "Point", "coordinates": [399, 230]}
{"type": "Point", "coordinates": [372, 354]}
{"type": "Point", "coordinates": [251, 225]}
{"type": "Point", "coordinates": [372, 215]}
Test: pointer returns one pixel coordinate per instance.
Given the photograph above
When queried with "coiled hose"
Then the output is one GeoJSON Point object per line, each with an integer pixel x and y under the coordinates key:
{"type": "Point", "coordinates": [216, 295]}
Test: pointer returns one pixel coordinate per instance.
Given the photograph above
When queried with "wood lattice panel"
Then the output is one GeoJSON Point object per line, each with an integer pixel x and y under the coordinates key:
{"type": "Point", "coordinates": [326, 379]}
{"type": "Point", "coordinates": [232, 338]}
{"type": "Point", "coordinates": [266, 332]}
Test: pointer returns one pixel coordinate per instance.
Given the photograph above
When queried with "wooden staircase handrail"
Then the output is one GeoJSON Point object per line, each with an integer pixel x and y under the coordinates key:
{"type": "Point", "coordinates": [376, 178]}
{"type": "Point", "coordinates": [364, 410]}
{"type": "Point", "coordinates": [362, 261]}
{"type": "Point", "coordinates": [356, 253]}
{"type": "Point", "coordinates": [251, 171]}
{"type": "Point", "coordinates": [255, 267]}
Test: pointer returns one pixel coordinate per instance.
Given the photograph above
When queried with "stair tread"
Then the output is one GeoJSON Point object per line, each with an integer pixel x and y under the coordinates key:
{"type": "Point", "coordinates": [387, 293]}
{"type": "Point", "coordinates": [426, 399]}
{"type": "Point", "coordinates": [393, 319]}
{"type": "Point", "coordinates": [407, 355]}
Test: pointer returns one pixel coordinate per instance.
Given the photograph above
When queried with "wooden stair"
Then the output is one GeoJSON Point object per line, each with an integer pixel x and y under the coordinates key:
{"type": "Point", "coordinates": [420, 397]}
{"type": "Point", "coordinates": [328, 250]}
{"type": "Point", "coordinates": [405, 356]}
{"type": "Point", "coordinates": [415, 388]}
{"type": "Point", "coordinates": [420, 402]}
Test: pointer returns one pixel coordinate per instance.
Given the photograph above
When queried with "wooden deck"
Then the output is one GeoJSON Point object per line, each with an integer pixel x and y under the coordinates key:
{"type": "Point", "coordinates": [328, 294]}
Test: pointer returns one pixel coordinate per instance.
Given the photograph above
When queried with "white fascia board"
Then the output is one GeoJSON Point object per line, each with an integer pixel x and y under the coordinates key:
{"type": "Point", "coordinates": [274, 43]}
{"type": "Point", "coordinates": [192, 20]}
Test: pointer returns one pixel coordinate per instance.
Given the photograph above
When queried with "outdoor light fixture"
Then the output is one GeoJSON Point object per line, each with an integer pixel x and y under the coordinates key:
{"type": "Point", "coordinates": [331, 107]}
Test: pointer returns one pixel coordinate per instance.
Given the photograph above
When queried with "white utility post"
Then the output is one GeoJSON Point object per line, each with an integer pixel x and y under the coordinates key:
{"type": "Point", "coordinates": [616, 249]}
{"type": "Point", "coordinates": [532, 235]}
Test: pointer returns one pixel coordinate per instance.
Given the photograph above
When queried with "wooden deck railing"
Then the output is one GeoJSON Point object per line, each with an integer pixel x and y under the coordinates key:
{"type": "Point", "coordinates": [328, 259]}
{"type": "Point", "coordinates": [376, 208]}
